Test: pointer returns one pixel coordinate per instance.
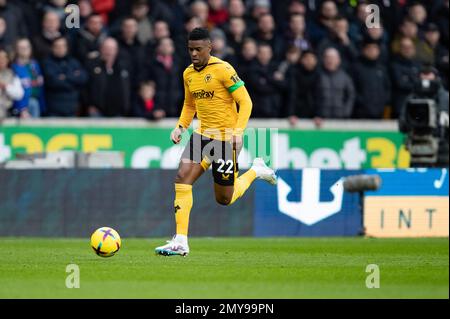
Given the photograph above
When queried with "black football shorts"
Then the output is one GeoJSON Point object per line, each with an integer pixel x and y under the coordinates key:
{"type": "Point", "coordinates": [219, 153]}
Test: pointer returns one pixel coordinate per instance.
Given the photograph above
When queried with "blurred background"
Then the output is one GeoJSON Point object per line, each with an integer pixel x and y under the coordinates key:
{"type": "Point", "coordinates": [343, 86]}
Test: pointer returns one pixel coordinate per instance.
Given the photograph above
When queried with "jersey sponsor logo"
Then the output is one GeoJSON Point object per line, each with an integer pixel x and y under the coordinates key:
{"type": "Point", "coordinates": [202, 94]}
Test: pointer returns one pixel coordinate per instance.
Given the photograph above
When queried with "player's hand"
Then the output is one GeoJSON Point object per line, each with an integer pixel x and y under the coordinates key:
{"type": "Point", "coordinates": [237, 143]}
{"type": "Point", "coordinates": [175, 136]}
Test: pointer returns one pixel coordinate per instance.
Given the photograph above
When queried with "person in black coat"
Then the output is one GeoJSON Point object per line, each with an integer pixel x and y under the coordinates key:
{"type": "Point", "coordinates": [372, 83]}
{"type": "Point", "coordinates": [266, 33]}
{"type": "Point", "coordinates": [42, 42]}
{"type": "Point", "coordinates": [404, 71]}
{"type": "Point", "coordinates": [305, 77]}
{"type": "Point", "coordinates": [64, 77]}
{"type": "Point", "coordinates": [109, 86]}
{"type": "Point", "coordinates": [165, 71]}
{"type": "Point", "coordinates": [266, 84]}
{"type": "Point", "coordinates": [88, 39]}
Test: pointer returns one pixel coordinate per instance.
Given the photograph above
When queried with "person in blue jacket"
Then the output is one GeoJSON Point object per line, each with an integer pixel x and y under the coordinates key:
{"type": "Point", "coordinates": [29, 72]}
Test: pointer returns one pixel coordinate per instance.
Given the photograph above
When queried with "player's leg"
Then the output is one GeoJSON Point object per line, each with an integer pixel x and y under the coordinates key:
{"type": "Point", "coordinates": [228, 187]}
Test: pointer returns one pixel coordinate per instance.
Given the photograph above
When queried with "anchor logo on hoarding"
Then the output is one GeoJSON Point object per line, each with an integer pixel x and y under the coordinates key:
{"type": "Point", "coordinates": [310, 209]}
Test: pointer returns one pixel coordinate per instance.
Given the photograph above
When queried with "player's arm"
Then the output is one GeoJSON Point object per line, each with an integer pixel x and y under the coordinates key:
{"type": "Point", "coordinates": [186, 117]}
{"type": "Point", "coordinates": [237, 89]}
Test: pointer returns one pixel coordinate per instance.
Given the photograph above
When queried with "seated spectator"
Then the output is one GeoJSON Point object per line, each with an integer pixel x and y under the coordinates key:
{"type": "Point", "coordinates": [165, 71]}
{"type": "Point", "coordinates": [296, 33]}
{"type": "Point", "coordinates": [266, 33]}
{"type": "Point", "coordinates": [29, 72]}
{"type": "Point", "coordinates": [338, 38]}
{"type": "Point", "coordinates": [42, 43]}
{"type": "Point", "coordinates": [88, 39]}
{"type": "Point", "coordinates": [266, 84]}
{"type": "Point", "coordinates": [109, 85]}
{"type": "Point", "coordinates": [404, 71]}
{"type": "Point", "coordinates": [217, 14]}
{"type": "Point", "coordinates": [64, 78]}
{"type": "Point", "coordinates": [16, 26]}
{"type": "Point", "coordinates": [334, 93]}
{"type": "Point", "coordinates": [372, 83]}
{"type": "Point", "coordinates": [10, 87]}
{"type": "Point", "coordinates": [145, 103]}
{"type": "Point", "coordinates": [305, 76]}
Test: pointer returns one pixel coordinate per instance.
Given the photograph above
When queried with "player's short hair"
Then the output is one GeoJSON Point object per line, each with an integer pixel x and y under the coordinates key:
{"type": "Point", "coordinates": [199, 34]}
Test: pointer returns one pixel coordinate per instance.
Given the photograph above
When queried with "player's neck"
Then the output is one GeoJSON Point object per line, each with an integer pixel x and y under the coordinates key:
{"type": "Point", "coordinates": [201, 67]}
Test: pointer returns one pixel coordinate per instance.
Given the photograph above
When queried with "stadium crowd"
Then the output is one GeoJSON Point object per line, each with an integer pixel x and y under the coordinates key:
{"type": "Point", "coordinates": [299, 58]}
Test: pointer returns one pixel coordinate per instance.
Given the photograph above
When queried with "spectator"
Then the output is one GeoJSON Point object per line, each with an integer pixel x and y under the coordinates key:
{"type": "Point", "coordinates": [236, 9]}
{"type": "Point", "coordinates": [16, 26]}
{"type": "Point", "coordinates": [305, 76]}
{"type": "Point", "coordinates": [266, 85]}
{"type": "Point", "coordinates": [64, 78]}
{"type": "Point", "coordinates": [285, 72]}
{"type": "Point", "coordinates": [165, 71]}
{"type": "Point", "coordinates": [245, 59]}
{"type": "Point", "coordinates": [372, 83]}
{"type": "Point", "coordinates": [217, 14]}
{"type": "Point", "coordinates": [437, 54]}
{"type": "Point", "coordinates": [266, 33]}
{"type": "Point", "coordinates": [408, 28]}
{"type": "Point", "coordinates": [131, 49]}
{"type": "Point", "coordinates": [58, 7]}
{"type": "Point", "coordinates": [89, 38]}
{"type": "Point", "coordinates": [4, 41]}
{"type": "Point", "coordinates": [296, 32]}
{"type": "Point", "coordinates": [42, 43]}
{"type": "Point", "coordinates": [338, 38]}
{"type": "Point", "coordinates": [145, 103]}
{"type": "Point", "coordinates": [109, 86]}
{"type": "Point", "coordinates": [358, 26]}
{"type": "Point", "coordinates": [219, 46]}
{"type": "Point", "coordinates": [86, 10]}
{"type": "Point", "coordinates": [103, 8]}
{"type": "Point", "coordinates": [404, 70]}
{"type": "Point", "coordinates": [181, 40]}
{"type": "Point", "coordinates": [29, 72]}
{"type": "Point", "coordinates": [161, 30]}
{"type": "Point", "coordinates": [200, 9]}
{"type": "Point", "coordinates": [236, 34]}
{"type": "Point", "coordinates": [334, 93]}
{"type": "Point", "coordinates": [10, 87]}
{"type": "Point", "coordinates": [140, 11]}
{"type": "Point", "coordinates": [441, 19]}
{"type": "Point", "coordinates": [418, 14]}
{"type": "Point", "coordinates": [324, 22]}
{"type": "Point", "coordinates": [379, 35]}
{"type": "Point", "coordinates": [257, 9]}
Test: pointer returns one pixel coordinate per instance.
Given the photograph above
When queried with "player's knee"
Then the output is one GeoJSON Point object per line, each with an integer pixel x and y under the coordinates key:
{"type": "Point", "coordinates": [223, 200]}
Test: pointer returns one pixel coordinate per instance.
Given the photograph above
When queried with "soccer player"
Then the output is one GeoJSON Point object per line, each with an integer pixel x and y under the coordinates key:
{"type": "Point", "coordinates": [212, 90]}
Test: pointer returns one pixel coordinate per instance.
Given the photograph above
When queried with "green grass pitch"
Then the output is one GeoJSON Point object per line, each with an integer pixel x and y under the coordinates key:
{"type": "Point", "coordinates": [228, 268]}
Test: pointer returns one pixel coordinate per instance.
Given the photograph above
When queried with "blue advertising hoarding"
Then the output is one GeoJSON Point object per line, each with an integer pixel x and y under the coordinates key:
{"type": "Point", "coordinates": [308, 202]}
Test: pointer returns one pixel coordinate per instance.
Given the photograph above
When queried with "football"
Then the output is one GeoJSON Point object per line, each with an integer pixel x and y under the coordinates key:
{"type": "Point", "coordinates": [106, 242]}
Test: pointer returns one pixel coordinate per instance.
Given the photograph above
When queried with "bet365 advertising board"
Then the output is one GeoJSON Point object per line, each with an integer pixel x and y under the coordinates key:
{"type": "Point", "coordinates": [151, 148]}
